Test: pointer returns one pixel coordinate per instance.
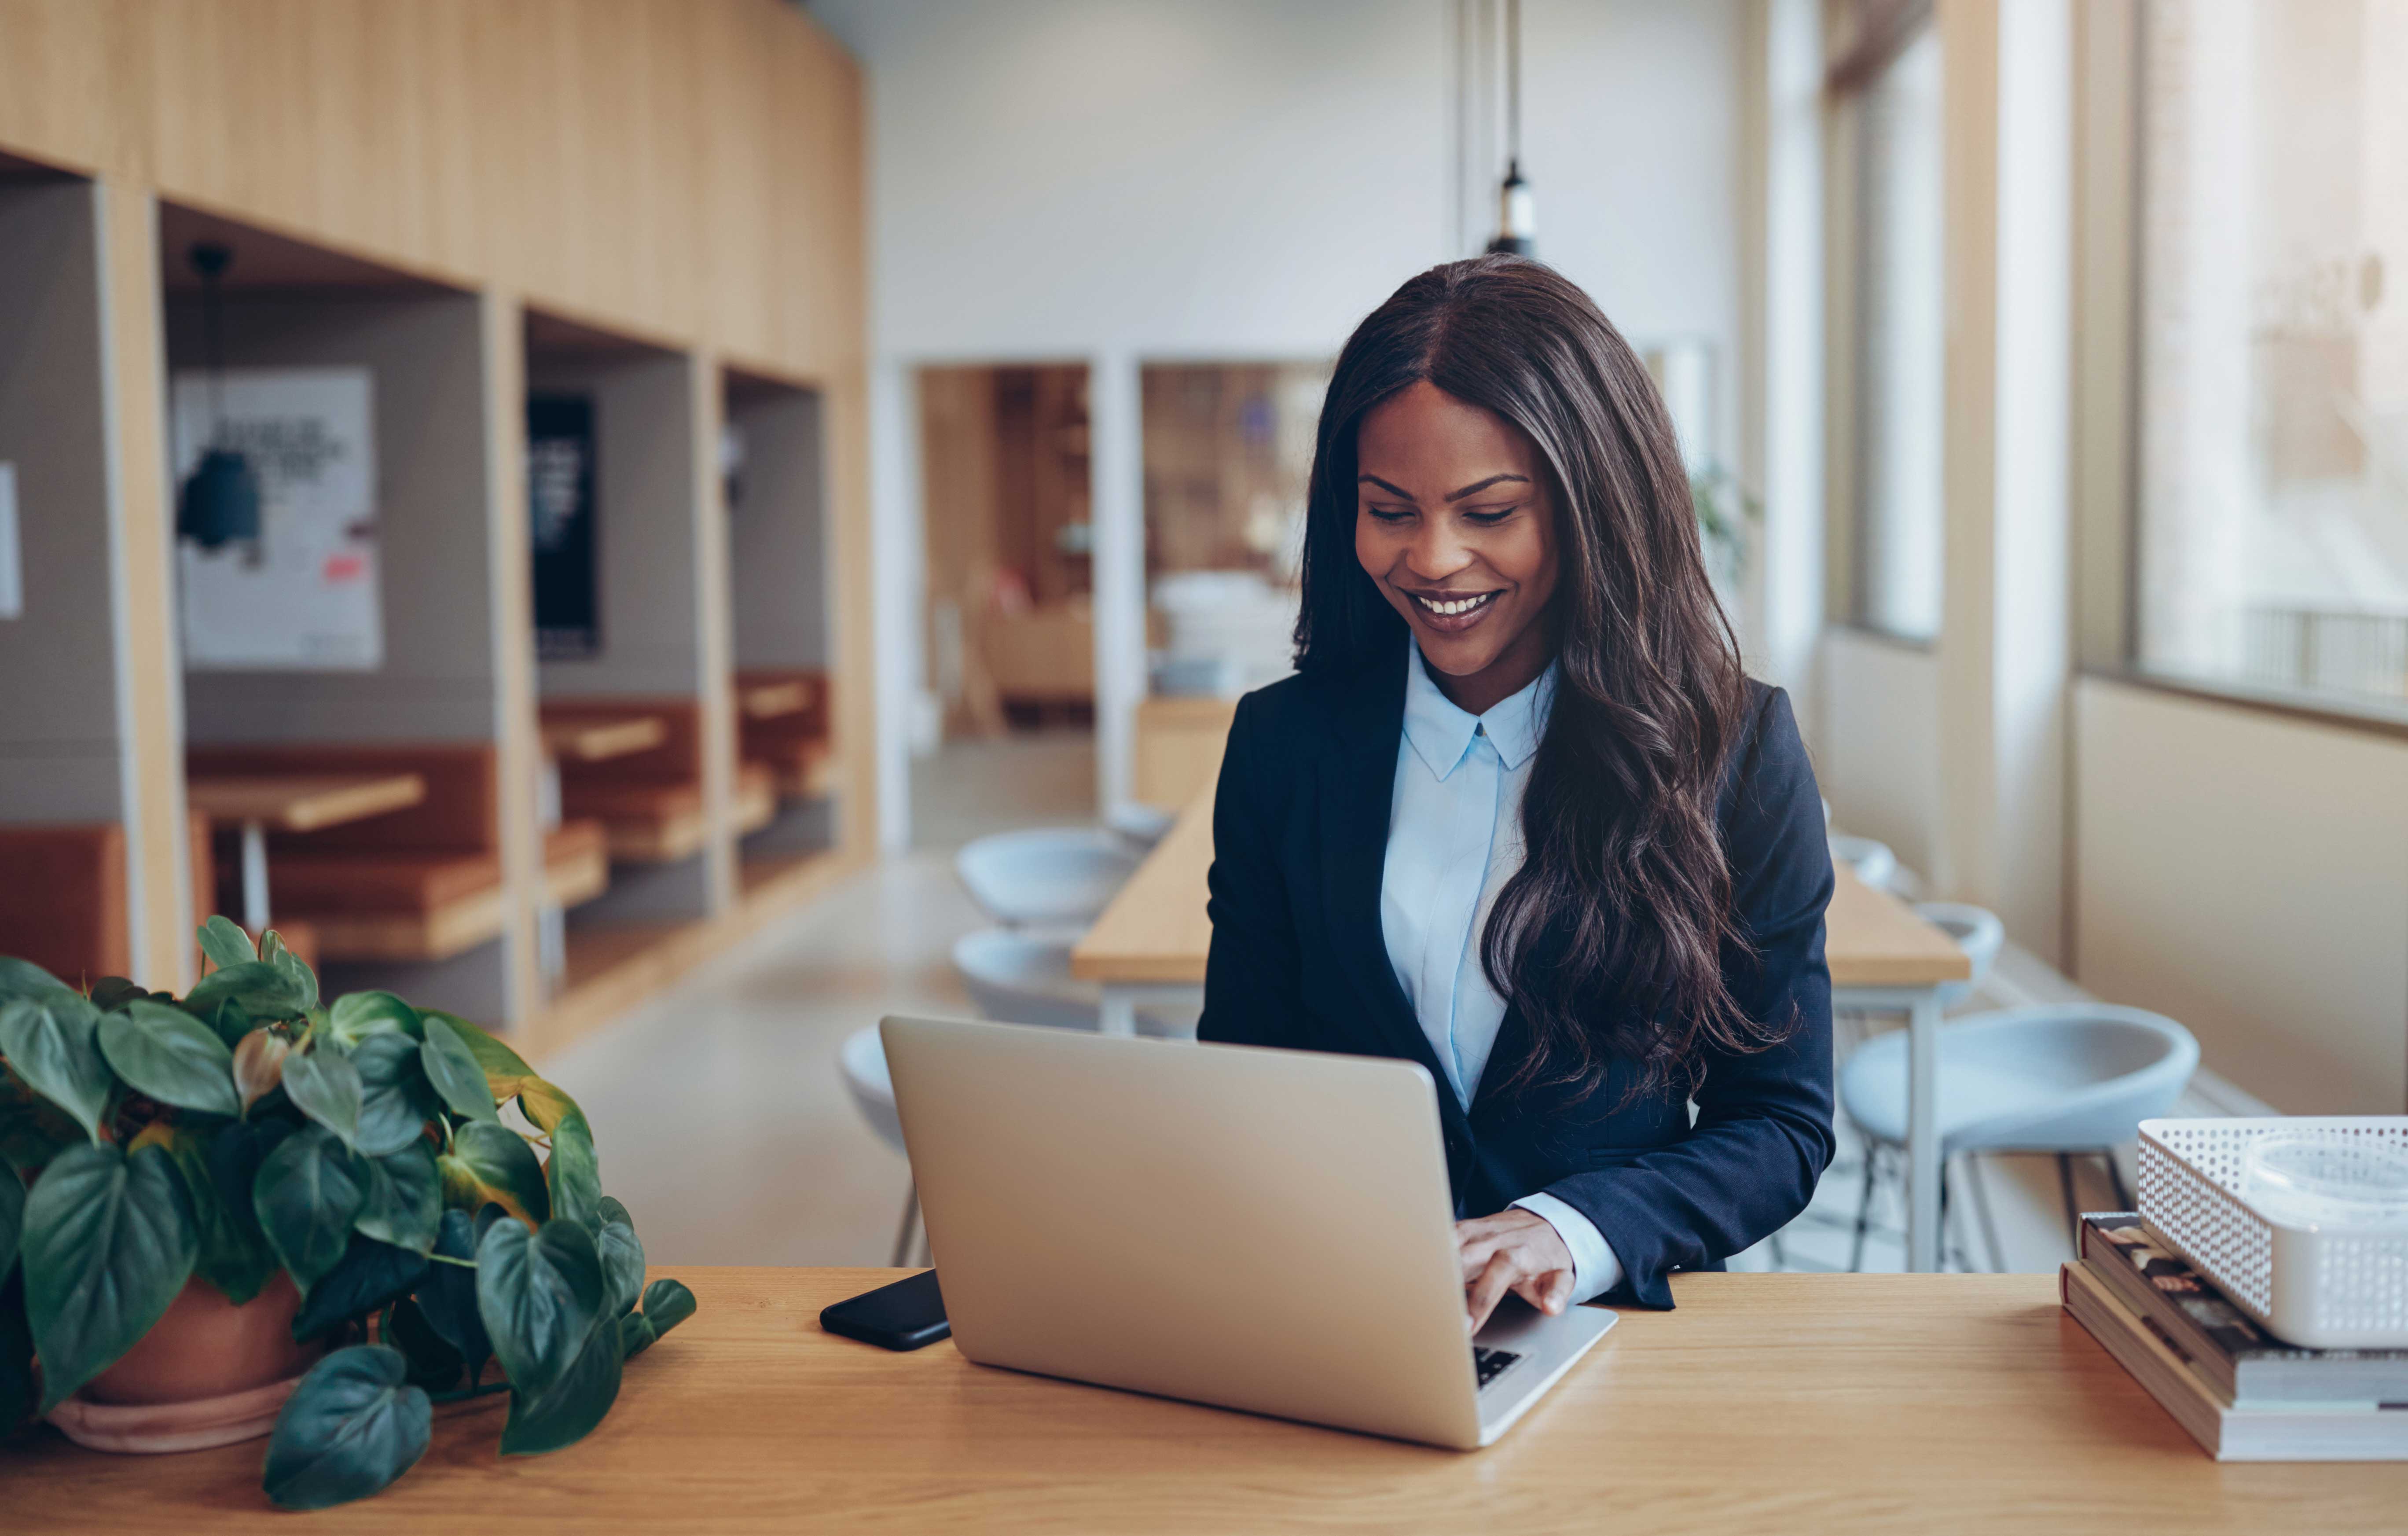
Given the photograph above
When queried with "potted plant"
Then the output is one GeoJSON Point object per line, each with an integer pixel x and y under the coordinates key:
{"type": "Point", "coordinates": [205, 1193]}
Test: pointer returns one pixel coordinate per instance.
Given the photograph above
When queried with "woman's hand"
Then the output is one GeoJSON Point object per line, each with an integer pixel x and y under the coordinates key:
{"type": "Point", "coordinates": [1515, 1249]}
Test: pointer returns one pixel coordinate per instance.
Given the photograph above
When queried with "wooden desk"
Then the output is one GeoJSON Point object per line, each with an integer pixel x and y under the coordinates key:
{"type": "Point", "coordinates": [1765, 1403]}
{"type": "Point", "coordinates": [293, 803]}
{"type": "Point", "coordinates": [597, 739]}
{"type": "Point", "coordinates": [1150, 945]}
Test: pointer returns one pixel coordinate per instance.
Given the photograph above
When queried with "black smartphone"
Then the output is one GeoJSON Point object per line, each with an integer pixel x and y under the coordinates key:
{"type": "Point", "coordinates": [904, 1316]}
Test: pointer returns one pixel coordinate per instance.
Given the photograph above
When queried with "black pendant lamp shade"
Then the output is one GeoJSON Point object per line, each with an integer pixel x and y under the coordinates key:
{"type": "Point", "coordinates": [1516, 212]}
{"type": "Point", "coordinates": [218, 502]}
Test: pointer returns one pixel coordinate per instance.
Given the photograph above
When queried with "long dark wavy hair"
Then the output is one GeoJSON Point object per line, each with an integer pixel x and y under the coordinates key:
{"type": "Point", "coordinates": [1612, 938]}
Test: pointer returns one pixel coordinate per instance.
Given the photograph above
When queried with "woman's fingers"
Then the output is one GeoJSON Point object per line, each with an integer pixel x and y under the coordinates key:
{"type": "Point", "coordinates": [1495, 1280]}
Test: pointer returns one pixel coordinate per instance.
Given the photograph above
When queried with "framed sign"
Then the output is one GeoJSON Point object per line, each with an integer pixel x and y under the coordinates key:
{"type": "Point", "coordinates": [302, 595]}
{"type": "Point", "coordinates": [559, 513]}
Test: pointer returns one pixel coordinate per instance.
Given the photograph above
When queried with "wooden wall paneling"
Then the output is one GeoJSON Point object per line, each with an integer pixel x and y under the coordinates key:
{"type": "Point", "coordinates": [140, 511]}
{"type": "Point", "coordinates": [845, 407]}
{"type": "Point", "coordinates": [519, 747]}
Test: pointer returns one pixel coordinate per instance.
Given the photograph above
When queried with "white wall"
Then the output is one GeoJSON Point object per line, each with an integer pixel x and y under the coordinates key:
{"type": "Point", "coordinates": [1876, 736]}
{"type": "Point", "coordinates": [1114, 182]}
{"type": "Point", "coordinates": [2247, 874]}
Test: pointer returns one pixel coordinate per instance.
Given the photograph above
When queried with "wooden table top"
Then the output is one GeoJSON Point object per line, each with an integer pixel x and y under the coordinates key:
{"type": "Point", "coordinates": [1155, 930]}
{"type": "Point", "coordinates": [1770, 1403]}
{"type": "Point", "coordinates": [302, 802]}
{"type": "Point", "coordinates": [597, 738]}
{"type": "Point", "coordinates": [771, 699]}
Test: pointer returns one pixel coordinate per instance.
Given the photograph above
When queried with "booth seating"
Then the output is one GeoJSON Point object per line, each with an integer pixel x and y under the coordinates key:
{"type": "Point", "coordinates": [782, 727]}
{"type": "Point", "coordinates": [62, 904]}
{"type": "Point", "coordinates": [649, 803]}
{"type": "Point", "coordinates": [421, 883]}
{"type": "Point", "coordinates": [298, 934]}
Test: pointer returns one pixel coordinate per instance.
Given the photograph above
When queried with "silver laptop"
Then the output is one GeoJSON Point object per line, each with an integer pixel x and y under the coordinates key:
{"type": "Point", "coordinates": [1260, 1229]}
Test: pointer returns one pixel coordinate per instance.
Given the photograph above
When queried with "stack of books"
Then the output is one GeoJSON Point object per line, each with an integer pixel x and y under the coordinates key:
{"type": "Point", "coordinates": [2240, 1392]}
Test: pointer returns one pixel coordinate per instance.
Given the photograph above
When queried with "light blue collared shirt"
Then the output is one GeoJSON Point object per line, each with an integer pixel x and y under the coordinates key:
{"type": "Point", "coordinates": [1455, 839]}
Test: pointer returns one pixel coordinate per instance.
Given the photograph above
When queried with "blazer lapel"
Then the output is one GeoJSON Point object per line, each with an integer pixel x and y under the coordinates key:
{"type": "Point", "coordinates": [1358, 789]}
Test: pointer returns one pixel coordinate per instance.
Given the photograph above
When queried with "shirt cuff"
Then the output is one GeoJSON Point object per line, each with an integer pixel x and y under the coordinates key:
{"type": "Point", "coordinates": [1595, 1269]}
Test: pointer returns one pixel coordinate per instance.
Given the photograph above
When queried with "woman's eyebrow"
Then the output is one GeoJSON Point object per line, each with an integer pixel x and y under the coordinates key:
{"type": "Point", "coordinates": [1473, 489]}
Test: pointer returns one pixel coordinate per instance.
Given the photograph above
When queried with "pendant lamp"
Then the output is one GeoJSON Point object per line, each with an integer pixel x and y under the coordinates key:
{"type": "Point", "coordinates": [1516, 214]}
{"type": "Point", "coordinates": [218, 502]}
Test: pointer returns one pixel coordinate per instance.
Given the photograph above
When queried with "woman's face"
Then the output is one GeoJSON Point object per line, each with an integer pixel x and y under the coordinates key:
{"type": "Point", "coordinates": [1455, 521]}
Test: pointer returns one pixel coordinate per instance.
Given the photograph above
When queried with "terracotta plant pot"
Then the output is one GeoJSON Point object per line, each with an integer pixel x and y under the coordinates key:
{"type": "Point", "coordinates": [208, 1373]}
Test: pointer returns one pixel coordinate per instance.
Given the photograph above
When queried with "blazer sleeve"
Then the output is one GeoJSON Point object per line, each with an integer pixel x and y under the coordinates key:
{"type": "Point", "coordinates": [1253, 986]}
{"type": "Point", "coordinates": [1763, 1131]}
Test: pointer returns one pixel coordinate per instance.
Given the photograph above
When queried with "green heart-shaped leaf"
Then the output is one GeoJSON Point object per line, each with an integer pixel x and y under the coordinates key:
{"type": "Point", "coordinates": [24, 979]}
{"type": "Point", "coordinates": [234, 1257]}
{"type": "Point", "coordinates": [494, 1057]}
{"type": "Point", "coordinates": [303, 980]}
{"type": "Point", "coordinates": [403, 1197]}
{"type": "Point", "coordinates": [262, 991]}
{"type": "Point", "coordinates": [12, 1219]}
{"type": "Point", "coordinates": [567, 1412]}
{"type": "Point", "coordinates": [235, 1153]}
{"type": "Point", "coordinates": [489, 1163]}
{"type": "Point", "coordinates": [172, 1056]}
{"type": "Point", "coordinates": [224, 942]}
{"type": "Point", "coordinates": [539, 1294]}
{"type": "Point", "coordinates": [352, 1426]}
{"type": "Point", "coordinates": [308, 1194]}
{"type": "Point", "coordinates": [108, 1243]}
{"type": "Point", "coordinates": [667, 1303]}
{"type": "Point", "coordinates": [358, 1016]}
{"type": "Point", "coordinates": [452, 1069]}
{"type": "Point", "coordinates": [396, 1100]}
{"type": "Point", "coordinates": [572, 1175]}
{"type": "Point", "coordinates": [115, 992]}
{"type": "Point", "coordinates": [52, 1041]}
{"type": "Point", "coordinates": [434, 1364]}
{"type": "Point", "coordinates": [446, 1294]}
{"type": "Point", "coordinates": [622, 1259]}
{"type": "Point", "coordinates": [32, 1130]}
{"type": "Point", "coordinates": [371, 1274]}
{"type": "Point", "coordinates": [324, 1085]}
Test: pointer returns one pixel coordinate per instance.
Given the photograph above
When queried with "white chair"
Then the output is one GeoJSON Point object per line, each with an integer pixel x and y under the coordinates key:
{"type": "Point", "coordinates": [2074, 1078]}
{"type": "Point", "coordinates": [1977, 931]}
{"type": "Point", "coordinates": [1051, 874]}
{"type": "Point", "coordinates": [862, 1058]}
{"type": "Point", "coordinates": [1141, 825]}
{"type": "Point", "coordinates": [1873, 860]}
{"type": "Point", "coordinates": [1022, 976]}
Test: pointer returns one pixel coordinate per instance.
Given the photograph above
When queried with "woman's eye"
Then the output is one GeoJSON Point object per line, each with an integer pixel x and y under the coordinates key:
{"type": "Point", "coordinates": [1489, 517]}
{"type": "Point", "coordinates": [1390, 514]}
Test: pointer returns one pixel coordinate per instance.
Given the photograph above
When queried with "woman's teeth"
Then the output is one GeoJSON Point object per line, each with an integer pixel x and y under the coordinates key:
{"type": "Point", "coordinates": [1449, 609]}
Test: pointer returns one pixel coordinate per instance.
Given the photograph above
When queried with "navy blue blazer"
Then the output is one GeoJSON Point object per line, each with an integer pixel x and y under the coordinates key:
{"type": "Point", "coordinates": [1301, 833]}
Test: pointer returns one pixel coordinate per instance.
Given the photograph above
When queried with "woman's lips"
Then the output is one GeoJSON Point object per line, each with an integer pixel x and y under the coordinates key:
{"type": "Point", "coordinates": [1452, 615]}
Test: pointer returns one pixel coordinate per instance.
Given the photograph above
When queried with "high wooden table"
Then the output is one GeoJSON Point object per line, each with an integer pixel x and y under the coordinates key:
{"type": "Point", "coordinates": [1150, 945]}
{"type": "Point", "coordinates": [1765, 1403]}
{"type": "Point", "coordinates": [598, 739]}
{"type": "Point", "coordinates": [293, 803]}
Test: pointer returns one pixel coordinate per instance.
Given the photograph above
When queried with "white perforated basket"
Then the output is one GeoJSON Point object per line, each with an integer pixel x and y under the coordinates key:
{"type": "Point", "coordinates": [2316, 1288]}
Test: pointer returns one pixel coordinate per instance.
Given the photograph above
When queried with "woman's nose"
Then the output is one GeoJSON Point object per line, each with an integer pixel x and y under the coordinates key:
{"type": "Point", "coordinates": [1436, 552]}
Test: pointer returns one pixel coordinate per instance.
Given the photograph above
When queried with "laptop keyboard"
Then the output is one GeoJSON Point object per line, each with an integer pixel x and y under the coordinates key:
{"type": "Point", "coordinates": [1489, 1364]}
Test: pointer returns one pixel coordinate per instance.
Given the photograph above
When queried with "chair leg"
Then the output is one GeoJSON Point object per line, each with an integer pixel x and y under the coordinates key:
{"type": "Point", "coordinates": [1982, 1213]}
{"type": "Point", "coordinates": [2115, 1177]}
{"type": "Point", "coordinates": [1864, 1211]}
{"type": "Point", "coordinates": [902, 1255]}
{"type": "Point", "coordinates": [2072, 1207]}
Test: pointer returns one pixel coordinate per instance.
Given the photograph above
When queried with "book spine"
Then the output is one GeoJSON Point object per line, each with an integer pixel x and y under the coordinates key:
{"type": "Point", "coordinates": [2173, 1324]}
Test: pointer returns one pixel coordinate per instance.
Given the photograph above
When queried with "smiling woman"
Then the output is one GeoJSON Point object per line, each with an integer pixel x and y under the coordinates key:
{"type": "Point", "coordinates": [1521, 818]}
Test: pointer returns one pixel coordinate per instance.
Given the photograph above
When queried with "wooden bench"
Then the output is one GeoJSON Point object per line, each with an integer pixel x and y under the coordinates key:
{"type": "Point", "coordinates": [62, 902]}
{"type": "Point", "coordinates": [421, 883]}
{"type": "Point", "coordinates": [782, 727]}
{"type": "Point", "coordinates": [650, 802]}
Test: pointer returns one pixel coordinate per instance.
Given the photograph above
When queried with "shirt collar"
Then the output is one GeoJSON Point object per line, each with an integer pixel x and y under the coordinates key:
{"type": "Point", "coordinates": [1441, 732]}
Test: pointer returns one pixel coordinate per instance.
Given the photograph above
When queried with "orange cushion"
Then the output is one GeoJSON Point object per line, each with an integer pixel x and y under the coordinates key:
{"type": "Point", "coordinates": [377, 882]}
{"type": "Point", "coordinates": [573, 841]}
{"type": "Point", "coordinates": [631, 800]}
{"type": "Point", "coordinates": [62, 901]}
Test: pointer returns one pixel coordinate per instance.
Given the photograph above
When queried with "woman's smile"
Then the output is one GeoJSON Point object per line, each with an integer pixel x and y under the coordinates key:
{"type": "Point", "coordinates": [1451, 612]}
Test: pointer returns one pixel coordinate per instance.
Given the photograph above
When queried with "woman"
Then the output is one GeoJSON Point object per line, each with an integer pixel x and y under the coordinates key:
{"type": "Point", "coordinates": [1521, 818]}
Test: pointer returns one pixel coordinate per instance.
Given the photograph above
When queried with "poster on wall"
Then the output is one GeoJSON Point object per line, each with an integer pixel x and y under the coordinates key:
{"type": "Point", "coordinates": [559, 510]}
{"type": "Point", "coordinates": [302, 595]}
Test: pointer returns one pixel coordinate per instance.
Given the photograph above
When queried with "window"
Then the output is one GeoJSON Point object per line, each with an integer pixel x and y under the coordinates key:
{"type": "Point", "coordinates": [1898, 343]}
{"type": "Point", "coordinates": [2271, 345]}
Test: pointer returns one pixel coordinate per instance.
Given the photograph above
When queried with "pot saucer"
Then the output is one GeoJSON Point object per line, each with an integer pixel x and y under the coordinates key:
{"type": "Point", "coordinates": [150, 1428]}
